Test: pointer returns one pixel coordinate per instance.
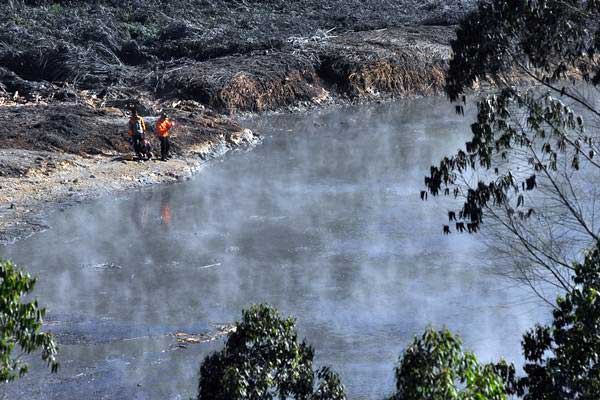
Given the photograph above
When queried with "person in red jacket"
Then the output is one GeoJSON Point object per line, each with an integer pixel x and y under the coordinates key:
{"type": "Point", "coordinates": [162, 130]}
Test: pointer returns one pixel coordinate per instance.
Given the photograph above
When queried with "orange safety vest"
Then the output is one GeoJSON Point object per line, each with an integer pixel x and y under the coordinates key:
{"type": "Point", "coordinates": [131, 125]}
{"type": "Point", "coordinates": [163, 126]}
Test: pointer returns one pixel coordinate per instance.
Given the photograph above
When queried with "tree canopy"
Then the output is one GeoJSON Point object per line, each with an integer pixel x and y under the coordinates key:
{"type": "Point", "coordinates": [435, 367]}
{"type": "Point", "coordinates": [262, 360]}
{"type": "Point", "coordinates": [21, 324]}
{"type": "Point", "coordinates": [563, 358]}
{"type": "Point", "coordinates": [530, 167]}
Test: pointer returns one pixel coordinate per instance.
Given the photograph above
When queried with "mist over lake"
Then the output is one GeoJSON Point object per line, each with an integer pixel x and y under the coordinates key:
{"type": "Point", "coordinates": [323, 220]}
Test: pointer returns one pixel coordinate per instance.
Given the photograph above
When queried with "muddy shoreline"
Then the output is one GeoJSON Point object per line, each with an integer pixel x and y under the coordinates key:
{"type": "Point", "coordinates": [67, 142]}
{"type": "Point", "coordinates": [25, 201]}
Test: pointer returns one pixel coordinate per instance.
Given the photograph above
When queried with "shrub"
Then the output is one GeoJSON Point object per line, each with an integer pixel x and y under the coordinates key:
{"type": "Point", "coordinates": [56, 9]}
{"type": "Point", "coordinates": [20, 324]}
{"type": "Point", "coordinates": [563, 358]}
{"type": "Point", "coordinates": [263, 360]}
{"type": "Point", "coordinates": [435, 367]}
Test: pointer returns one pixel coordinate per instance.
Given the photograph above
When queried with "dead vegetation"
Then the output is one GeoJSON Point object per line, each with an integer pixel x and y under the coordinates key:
{"type": "Point", "coordinates": [256, 83]}
{"type": "Point", "coordinates": [229, 55]}
{"type": "Point", "coordinates": [388, 62]}
{"type": "Point", "coordinates": [399, 61]}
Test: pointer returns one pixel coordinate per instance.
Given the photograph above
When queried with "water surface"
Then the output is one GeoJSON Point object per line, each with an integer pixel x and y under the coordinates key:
{"type": "Point", "coordinates": [323, 220]}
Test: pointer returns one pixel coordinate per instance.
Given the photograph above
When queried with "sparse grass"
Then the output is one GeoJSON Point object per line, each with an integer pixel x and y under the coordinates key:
{"type": "Point", "coordinates": [143, 32]}
{"type": "Point", "coordinates": [19, 20]}
{"type": "Point", "coordinates": [56, 9]}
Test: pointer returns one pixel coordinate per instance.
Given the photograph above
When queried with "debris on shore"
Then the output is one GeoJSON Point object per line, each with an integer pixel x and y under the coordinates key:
{"type": "Point", "coordinates": [183, 339]}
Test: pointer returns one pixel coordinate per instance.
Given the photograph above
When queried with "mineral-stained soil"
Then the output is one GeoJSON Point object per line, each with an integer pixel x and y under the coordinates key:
{"type": "Point", "coordinates": [70, 70]}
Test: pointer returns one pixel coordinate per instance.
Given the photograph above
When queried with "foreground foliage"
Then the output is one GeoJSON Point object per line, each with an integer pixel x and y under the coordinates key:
{"type": "Point", "coordinates": [563, 358]}
{"type": "Point", "coordinates": [20, 324]}
{"type": "Point", "coordinates": [263, 360]}
{"type": "Point", "coordinates": [434, 367]}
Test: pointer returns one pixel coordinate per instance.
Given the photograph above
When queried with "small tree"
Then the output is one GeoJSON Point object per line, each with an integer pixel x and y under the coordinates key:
{"type": "Point", "coordinates": [263, 360]}
{"type": "Point", "coordinates": [434, 367]}
{"type": "Point", "coordinates": [20, 324]}
{"type": "Point", "coordinates": [563, 358]}
{"type": "Point", "coordinates": [330, 387]}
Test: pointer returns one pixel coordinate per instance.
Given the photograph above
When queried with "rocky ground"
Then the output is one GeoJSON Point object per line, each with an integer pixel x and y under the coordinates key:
{"type": "Point", "coordinates": [69, 70]}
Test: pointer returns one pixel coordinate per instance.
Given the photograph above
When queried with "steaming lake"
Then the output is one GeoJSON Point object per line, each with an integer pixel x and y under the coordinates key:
{"type": "Point", "coordinates": [323, 220]}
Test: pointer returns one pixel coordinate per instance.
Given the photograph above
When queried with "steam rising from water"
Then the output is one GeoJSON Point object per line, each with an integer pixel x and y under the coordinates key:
{"type": "Point", "coordinates": [323, 221]}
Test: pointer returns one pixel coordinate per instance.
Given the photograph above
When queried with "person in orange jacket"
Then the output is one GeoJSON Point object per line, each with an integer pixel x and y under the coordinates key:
{"type": "Point", "coordinates": [162, 130]}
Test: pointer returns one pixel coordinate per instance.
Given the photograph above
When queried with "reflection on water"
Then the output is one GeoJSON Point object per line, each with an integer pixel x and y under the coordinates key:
{"type": "Point", "coordinates": [323, 221]}
{"type": "Point", "coordinates": [165, 214]}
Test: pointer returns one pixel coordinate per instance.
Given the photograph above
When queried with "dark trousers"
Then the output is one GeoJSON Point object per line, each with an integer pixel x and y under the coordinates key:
{"type": "Point", "coordinates": [164, 147]}
{"type": "Point", "coordinates": [138, 141]}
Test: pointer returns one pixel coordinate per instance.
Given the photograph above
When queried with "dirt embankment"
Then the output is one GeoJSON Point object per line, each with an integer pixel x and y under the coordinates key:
{"type": "Point", "coordinates": [70, 69]}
